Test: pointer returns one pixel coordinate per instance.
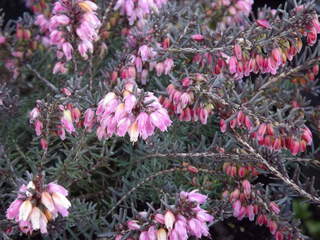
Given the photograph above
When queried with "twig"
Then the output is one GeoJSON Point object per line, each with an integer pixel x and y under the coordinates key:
{"type": "Point", "coordinates": [273, 170]}
{"type": "Point", "coordinates": [47, 82]}
{"type": "Point", "coordinates": [286, 74]}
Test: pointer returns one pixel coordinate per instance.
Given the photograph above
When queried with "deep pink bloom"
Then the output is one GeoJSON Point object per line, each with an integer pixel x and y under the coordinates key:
{"type": "Point", "coordinates": [197, 37]}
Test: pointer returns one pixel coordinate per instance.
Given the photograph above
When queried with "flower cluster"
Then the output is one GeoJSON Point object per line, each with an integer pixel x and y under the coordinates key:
{"type": "Point", "coordinates": [245, 201]}
{"type": "Point", "coordinates": [138, 9]}
{"type": "Point", "coordinates": [244, 62]}
{"type": "Point", "coordinates": [182, 100]}
{"type": "Point", "coordinates": [294, 140]}
{"type": "Point", "coordinates": [182, 221]}
{"type": "Point", "coordinates": [235, 11]}
{"type": "Point", "coordinates": [67, 18]}
{"type": "Point", "coordinates": [37, 204]}
{"type": "Point", "coordinates": [133, 112]}
{"type": "Point", "coordinates": [234, 170]}
{"type": "Point", "coordinates": [310, 75]}
{"type": "Point", "coordinates": [68, 119]}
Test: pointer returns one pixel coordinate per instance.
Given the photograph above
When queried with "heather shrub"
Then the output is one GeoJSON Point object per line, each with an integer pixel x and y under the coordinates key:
{"type": "Point", "coordinates": [158, 119]}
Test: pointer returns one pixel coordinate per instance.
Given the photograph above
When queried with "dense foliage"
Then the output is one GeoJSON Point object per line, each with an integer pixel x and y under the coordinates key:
{"type": "Point", "coordinates": [158, 119]}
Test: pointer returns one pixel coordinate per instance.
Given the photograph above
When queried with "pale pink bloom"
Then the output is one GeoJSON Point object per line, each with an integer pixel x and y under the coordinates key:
{"type": "Point", "coordinates": [54, 187]}
{"type": "Point", "coordinates": [67, 50]}
{"type": "Point", "coordinates": [66, 121]}
{"type": "Point", "coordinates": [43, 144]}
{"type": "Point", "coordinates": [84, 48]}
{"type": "Point", "coordinates": [42, 22]}
{"type": "Point", "coordinates": [159, 69]}
{"type": "Point", "coordinates": [56, 21]}
{"type": "Point", "coordinates": [25, 210]}
{"type": "Point", "coordinates": [144, 52]}
{"type": "Point", "coordinates": [194, 226]}
{"type": "Point", "coordinates": [13, 210]}
{"type": "Point", "coordinates": [34, 114]}
{"type": "Point", "coordinates": [123, 126]}
{"type": "Point", "coordinates": [25, 227]}
{"type": "Point", "coordinates": [61, 132]}
{"type": "Point", "coordinates": [246, 186]}
{"type": "Point", "coordinates": [233, 65]}
{"type": "Point", "coordinates": [59, 67]}
{"type": "Point", "coordinates": [159, 218]}
{"type": "Point", "coordinates": [152, 233]}
{"type": "Point", "coordinates": [38, 126]}
{"type": "Point", "coordinates": [237, 51]}
{"type": "Point", "coordinates": [194, 196]}
{"type": "Point", "coordinates": [169, 220]}
{"type": "Point", "coordinates": [133, 225]}
{"type": "Point", "coordinates": [274, 207]}
{"type": "Point", "coordinates": [58, 8]}
{"type": "Point", "coordinates": [203, 216]}
{"type": "Point", "coordinates": [61, 203]}
{"type": "Point", "coordinates": [236, 208]}
{"type": "Point", "coordinates": [89, 119]}
{"type": "Point", "coordinates": [2, 39]}
{"type": "Point", "coordinates": [168, 65]}
{"type": "Point", "coordinates": [56, 37]}
{"type": "Point", "coordinates": [250, 212]}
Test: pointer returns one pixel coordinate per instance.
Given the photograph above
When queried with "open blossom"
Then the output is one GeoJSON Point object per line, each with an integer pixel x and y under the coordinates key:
{"type": "Point", "coordinates": [182, 221]}
{"type": "Point", "coordinates": [125, 114]}
{"type": "Point", "coordinates": [58, 29]}
{"type": "Point", "coordinates": [34, 208]}
{"type": "Point", "coordinates": [139, 9]}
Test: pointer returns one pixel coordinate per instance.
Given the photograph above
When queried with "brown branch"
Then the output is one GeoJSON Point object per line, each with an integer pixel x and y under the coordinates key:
{"type": "Point", "coordinates": [277, 173]}
{"type": "Point", "coordinates": [45, 81]}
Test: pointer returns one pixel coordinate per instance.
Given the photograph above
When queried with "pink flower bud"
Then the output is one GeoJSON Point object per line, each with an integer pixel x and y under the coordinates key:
{"type": "Point", "coordinates": [233, 65]}
{"type": "Point", "coordinates": [197, 37]}
{"type": "Point", "coordinates": [133, 225]}
{"type": "Point", "coordinates": [44, 144]}
{"type": "Point", "coordinates": [250, 212]}
{"type": "Point", "coordinates": [263, 23]}
{"type": "Point", "coordinates": [237, 51]}
{"type": "Point", "coordinates": [272, 226]}
{"type": "Point", "coordinates": [38, 126]}
{"type": "Point", "coordinates": [159, 218]}
{"type": "Point", "coordinates": [246, 187]}
{"type": "Point", "coordinates": [223, 125]}
{"type": "Point", "coordinates": [274, 207]}
{"type": "Point", "coordinates": [279, 235]}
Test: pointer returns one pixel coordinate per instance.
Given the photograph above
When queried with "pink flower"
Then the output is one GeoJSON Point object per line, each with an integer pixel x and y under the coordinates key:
{"type": "Point", "coordinates": [59, 67]}
{"type": "Point", "coordinates": [133, 225]}
{"type": "Point", "coordinates": [66, 121]}
{"type": "Point", "coordinates": [197, 37]}
{"type": "Point", "coordinates": [2, 39]}
{"type": "Point", "coordinates": [159, 218]}
{"type": "Point", "coordinates": [34, 215]}
{"type": "Point", "coordinates": [246, 186]}
{"type": "Point", "coordinates": [67, 50]}
{"type": "Point", "coordinates": [169, 220]}
{"type": "Point", "coordinates": [263, 23]}
{"type": "Point", "coordinates": [38, 126]}
{"type": "Point", "coordinates": [274, 207]}
{"type": "Point", "coordinates": [13, 210]}
{"type": "Point", "coordinates": [168, 65]}
{"type": "Point", "coordinates": [194, 196]}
